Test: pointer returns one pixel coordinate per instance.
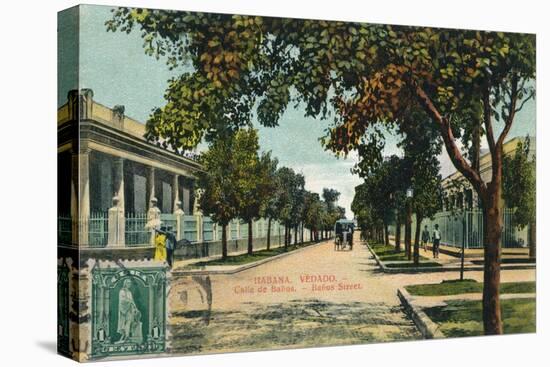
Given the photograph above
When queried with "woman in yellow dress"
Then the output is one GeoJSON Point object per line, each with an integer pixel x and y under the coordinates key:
{"type": "Point", "coordinates": [160, 247]}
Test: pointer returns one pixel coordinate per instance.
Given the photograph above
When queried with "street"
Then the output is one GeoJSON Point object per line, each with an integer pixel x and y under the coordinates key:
{"type": "Point", "coordinates": [313, 297]}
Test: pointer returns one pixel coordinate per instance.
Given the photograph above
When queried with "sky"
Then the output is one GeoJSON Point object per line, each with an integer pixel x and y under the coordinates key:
{"type": "Point", "coordinates": [115, 67]}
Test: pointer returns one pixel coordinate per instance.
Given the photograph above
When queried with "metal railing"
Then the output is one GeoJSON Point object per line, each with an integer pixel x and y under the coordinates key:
{"type": "Point", "coordinates": [98, 229]}
{"type": "Point", "coordinates": [135, 233]}
{"type": "Point", "coordinates": [193, 228]}
{"type": "Point", "coordinates": [466, 227]}
{"type": "Point", "coordinates": [65, 229]}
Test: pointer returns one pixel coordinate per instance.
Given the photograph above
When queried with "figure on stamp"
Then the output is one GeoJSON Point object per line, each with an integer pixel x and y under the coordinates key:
{"type": "Point", "coordinates": [129, 317]}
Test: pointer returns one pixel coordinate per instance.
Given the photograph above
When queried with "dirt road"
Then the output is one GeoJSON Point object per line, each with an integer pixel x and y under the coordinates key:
{"type": "Point", "coordinates": [314, 297]}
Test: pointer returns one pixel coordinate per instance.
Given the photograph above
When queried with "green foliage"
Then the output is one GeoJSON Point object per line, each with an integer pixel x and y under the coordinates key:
{"type": "Point", "coordinates": [235, 180]}
{"type": "Point", "coordinates": [464, 318]}
{"type": "Point", "coordinates": [382, 193]}
{"type": "Point", "coordinates": [467, 286]}
{"type": "Point", "coordinates": [218, 197]}
{"type": "Point", "coordinates": [314, 210]}
{"type": "Point", "coordinates": [376, 74]}
{"type": "Point", "coordinates": [247, 258]}
{"type": "Point", "coordinates": [422, 146]}
{"type": "Point", "coordinates": [519, 183]}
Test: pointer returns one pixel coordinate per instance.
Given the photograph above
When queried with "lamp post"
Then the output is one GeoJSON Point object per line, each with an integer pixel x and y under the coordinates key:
{"type": "Point", "coordinates": [416, 252]}
{"type": "Point", "coordinates": [408, 224]}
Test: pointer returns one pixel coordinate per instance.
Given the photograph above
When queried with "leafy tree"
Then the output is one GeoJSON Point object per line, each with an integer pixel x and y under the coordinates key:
{"type": "Point", "coordinates": [373, 72]}
{"type": "Point", "coordinates": [297, 192]}
{"type": "Point", "coordinates": [251, 179]}
{"type": "Point", "coordinates": [313, 212]}
{"type": "Point", "coordinates": [520, 189]}
{"type": "Point", "coordinates": [218, 197]}
{"type": "Point", "coordinates": [422, 146]}
{"type": "Point", "coordinates": [330, 197]}
{"type": "Point", "coordinates": [270, 209]}
{"type": "Point", "coordinates": [386, 181]}
{"type": "Point", "coordinates": [286, 202]}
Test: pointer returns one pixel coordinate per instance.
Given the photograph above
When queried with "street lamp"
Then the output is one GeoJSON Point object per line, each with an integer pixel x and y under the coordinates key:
{"type": "Point", "coordinates": [408, 229]}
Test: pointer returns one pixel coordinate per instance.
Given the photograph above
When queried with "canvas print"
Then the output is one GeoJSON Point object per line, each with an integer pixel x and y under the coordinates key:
{"type": "Point", "coordinates": [230, 183]}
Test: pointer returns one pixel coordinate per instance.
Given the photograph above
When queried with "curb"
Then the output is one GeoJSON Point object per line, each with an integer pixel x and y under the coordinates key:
{"type": "Point", "coordinates": [243, 267]}
{"type": "Point", "coordinates": [428, 328]}
{"type": "Point", "coordinates": [442, 269]}
{"type": "Point", "coordinates": [377, 259]}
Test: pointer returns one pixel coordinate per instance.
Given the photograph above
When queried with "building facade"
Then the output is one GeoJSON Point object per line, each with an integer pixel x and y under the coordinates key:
{"type": "Point", "coordinates": [110, 180]}
{"type": "Point", "coordinates": [460, 220]}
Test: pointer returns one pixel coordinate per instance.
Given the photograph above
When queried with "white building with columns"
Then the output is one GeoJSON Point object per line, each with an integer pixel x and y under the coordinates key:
{"type": "Point", "coordinates": [103, 155]}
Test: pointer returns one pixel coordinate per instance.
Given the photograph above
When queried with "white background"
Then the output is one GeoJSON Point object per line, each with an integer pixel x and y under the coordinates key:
{"type": "Point", "coordinates": [28, 182]}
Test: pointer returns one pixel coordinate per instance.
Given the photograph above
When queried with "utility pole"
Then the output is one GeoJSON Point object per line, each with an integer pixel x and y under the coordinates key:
{"type": "Point", "coordinates": [463, 246]}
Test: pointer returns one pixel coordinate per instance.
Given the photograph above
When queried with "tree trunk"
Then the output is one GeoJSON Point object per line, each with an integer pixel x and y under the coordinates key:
{"type": "Point", "coordinates": [224, 241]}
{"type": "Point", "coordinates": [250, 247]}
{"type": "Point", "coordinates": [476, 144]}
{"type": "Point", "coordinates": [286, 236]}
{"type": "Point", "coordinates": [492, 220]}
{"type": "Point", "coordinates": [491, 194]}
{"type": "Point", "coordinates": [398, 235]}
{"type": "Point", "coordinates": [416, 255]}
{"type": "Point", "coordinates": [302, 234]}
{"type": "Point", "coordinates": [386, 234]}
{"type": "Point", "coordinates": [408, 225]}
{"type": "Point", "coordinates": [533, 240]}
{"type": "Point", "coordinates": [296, 234]}
{"type": "Point", "coordinates": [268, 243]}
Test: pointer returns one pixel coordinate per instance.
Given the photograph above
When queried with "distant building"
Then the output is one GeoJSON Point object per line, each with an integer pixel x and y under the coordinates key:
{"type": "Point", "coordinates": [458, 192]}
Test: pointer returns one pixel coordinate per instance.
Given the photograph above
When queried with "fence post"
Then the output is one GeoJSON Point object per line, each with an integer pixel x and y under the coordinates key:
{"type": "Point", "coordinates": [116, 225]}
{"type": "Point", "coordinates": [153, 219]}
{"type": "Point", "coordinates": [179, 213]}
{"type": "Point", "coordinates": [198, 219]}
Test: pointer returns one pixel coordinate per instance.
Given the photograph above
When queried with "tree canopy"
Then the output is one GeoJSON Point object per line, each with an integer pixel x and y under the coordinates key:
{"type": "Point", "coordinates": [361, 76]}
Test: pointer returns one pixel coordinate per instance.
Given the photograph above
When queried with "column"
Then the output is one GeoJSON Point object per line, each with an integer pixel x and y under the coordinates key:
{"type": "Point", "coordinates": [175, 192]}
{"type": "Point", "coordinates": [119, 181]}
{"type": "Point", "coordinates": [150, 186]}
{"type": "Point", "coordinates": [80, 200]}
{"type": "Point", "coordinates": [117, 226]}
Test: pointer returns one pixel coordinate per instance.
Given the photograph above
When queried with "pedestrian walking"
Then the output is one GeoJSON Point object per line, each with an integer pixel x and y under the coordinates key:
{"type": "Point", "coordinates": [425, 238]}
{"type": "Point", "coordinates": [169, 244]}
{"type": "Point", "coordinates": [436, 241]}
{"type": "Point", "coordinates": [160, 246]}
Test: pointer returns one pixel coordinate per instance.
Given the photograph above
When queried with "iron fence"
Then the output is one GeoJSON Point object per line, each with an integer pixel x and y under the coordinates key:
{"type": "Point", "coordinates": [190, 228]}
{"type": "Point", "coordinates": [466, 227]}
{"type": "Point", "coordinates": [207, 229]}
{"type": "Point", "coordinates": [135, 233]}
{"type": "Point", "coordinates": [169, 221]}
{"type": "Point", "coordinates": [65, 229]}
{"type": "Point", "coordinates": [97, 227]}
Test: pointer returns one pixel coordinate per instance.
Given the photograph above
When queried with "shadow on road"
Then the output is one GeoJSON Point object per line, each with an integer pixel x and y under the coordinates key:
{"type": "Point", "coordinates": [302, 323]}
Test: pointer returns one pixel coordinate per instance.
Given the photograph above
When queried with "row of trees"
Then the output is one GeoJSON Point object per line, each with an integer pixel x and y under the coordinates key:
{"type": "Point", "coordinates": [469, 83]}
{"type": "Point", "coordinates": [395, 188]}
{"type": "Point", "coordinates": [382, 198]}
{"type": "Point", "coordinates": [239, 182]}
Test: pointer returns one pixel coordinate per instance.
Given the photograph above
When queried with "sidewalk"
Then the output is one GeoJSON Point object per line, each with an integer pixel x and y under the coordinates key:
{"type": "Point", "coordinates": [474, 253]}
{"type": "Point", "coordinates": [180, 266]}
{"type": "Point", "coordinates": [448, 262]}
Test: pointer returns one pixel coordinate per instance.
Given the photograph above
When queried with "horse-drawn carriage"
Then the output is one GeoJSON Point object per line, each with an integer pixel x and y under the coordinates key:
{"type": "Point", "coordinates": [343, 234]}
